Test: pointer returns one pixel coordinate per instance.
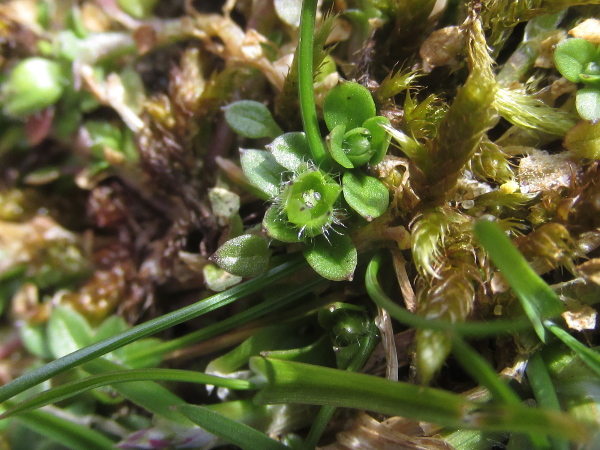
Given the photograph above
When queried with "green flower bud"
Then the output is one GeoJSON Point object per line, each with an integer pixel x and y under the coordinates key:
{"type": "Point", "coordinates": [34, 84]}
{"type": "Point", "coordinates": [308, 201]}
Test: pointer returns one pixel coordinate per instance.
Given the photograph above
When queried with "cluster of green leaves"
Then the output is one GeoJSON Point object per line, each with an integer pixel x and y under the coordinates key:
{"type": "Point", "coordinates": [578, 60]}
{"type": "Point", "coordinates": [311, 206]}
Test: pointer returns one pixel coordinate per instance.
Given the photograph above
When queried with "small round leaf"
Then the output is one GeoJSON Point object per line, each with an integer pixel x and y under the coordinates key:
{"type": "Point", "coordinates": [333, 257]}
{"type": "Point", "coordinates": [587, 101]}
{"type": "Point", "coordinates": [571, 56]}
{"type": "Point", "coordinates": [348, 104]}
{"type": "Point", "coordinates": [366, 195]}
{"type": "Point", "coordinates": [244, 256]}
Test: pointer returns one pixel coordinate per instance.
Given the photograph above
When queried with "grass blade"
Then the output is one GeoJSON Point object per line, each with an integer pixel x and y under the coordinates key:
{"type": "Point", "coordinates": [589, 356]}
{"type": "Point", "coordinates": [413, 320]}
{"type": "Point", "coordinates": [71, 435]}
{"type": "Point", "coordinates": [229, 430]}
{"type": "Point", "coordinates": [538, 299]}
{"type": "Point", "coordinates": [73, 388]}
{"type": "Point", "coordinates": [290, 382]}
{"type": "Point", "coordinates": [97, 349]}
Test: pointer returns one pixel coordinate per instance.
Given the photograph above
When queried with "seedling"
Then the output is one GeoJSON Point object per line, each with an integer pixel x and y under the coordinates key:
{"type": "Point", "coordinates": [309, 205]}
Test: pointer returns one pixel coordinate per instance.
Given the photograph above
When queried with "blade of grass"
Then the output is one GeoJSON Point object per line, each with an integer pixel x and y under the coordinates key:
{"type": "Point", "coordinates": [480, 370]}
{"type": "Point", "coordinates": [71, 435]}
{"type": "Point", "coordinates": [291, 382]}
{"type": "Point", "coordinates": [270, 305]}
{"type": "Point", "coordinates": [544, 392]}
{"type": "Point", "coordinates": [73, 388]}
{"type": "Point", "coordinates": [538, 299]}
{"type": "Point", "coordinates": [404, 316]}
{"type": "Point", "coordinates": [229, 430]}
{"type": "Point", "coordinates": [589, 356]}
{"type": "Point", "coordinates": [148, 328]}
{"type": "Point", "coordinates": [326, 412]}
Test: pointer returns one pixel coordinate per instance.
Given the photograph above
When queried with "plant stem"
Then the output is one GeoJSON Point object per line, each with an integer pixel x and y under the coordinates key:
{"type": "Point", "coordinates": [308, 109]}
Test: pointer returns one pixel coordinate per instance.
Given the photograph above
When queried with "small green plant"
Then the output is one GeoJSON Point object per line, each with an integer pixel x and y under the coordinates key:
{"type": "Point", "coordinates": [314, 207]}
{"type": "Point", "coordinates": [578, 60]}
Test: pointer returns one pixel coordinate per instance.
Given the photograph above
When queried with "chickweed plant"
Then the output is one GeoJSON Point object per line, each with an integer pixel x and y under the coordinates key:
{"type": "Point", "coordinates": [358, 224]}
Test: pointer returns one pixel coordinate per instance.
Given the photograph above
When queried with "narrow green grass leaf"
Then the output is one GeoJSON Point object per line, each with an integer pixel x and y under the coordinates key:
{"type": "Point", "coordinates": [474, 364]}
{"type": "Point", "coordinates": [538, 300]}
{"type": "Point", "coordinates": [367, 344]}
{"type": "Point", "coordinates": [275, 303]}
{"type": "Point", "coordinates": [413, 320]}
{"type": "Point", "coordinates": [153, 326]}
{"type": "Point", "coordinates": [229, 430]}
{"type": "Point", "coordinates": [589, 356]}
{"type": "Point", "coordinates": [543, 391]}
{"type": "Point", "coordinates": [291, 382]}
{"type": "Point", "coordinates": [72, 435]}
{"type": "Point", "coordinates": [73, 388]}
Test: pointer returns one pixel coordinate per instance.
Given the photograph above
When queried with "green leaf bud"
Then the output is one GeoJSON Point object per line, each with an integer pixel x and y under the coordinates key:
{"type": "Point", "coordinates": [34, 84]}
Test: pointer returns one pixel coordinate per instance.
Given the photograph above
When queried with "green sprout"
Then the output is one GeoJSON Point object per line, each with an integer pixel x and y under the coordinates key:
{"type": "Point", "coordinates": [578, 60]}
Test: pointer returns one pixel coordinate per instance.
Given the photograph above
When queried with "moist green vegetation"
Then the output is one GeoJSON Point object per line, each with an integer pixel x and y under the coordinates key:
{"type": "Point", "coordinates": [286, 224]}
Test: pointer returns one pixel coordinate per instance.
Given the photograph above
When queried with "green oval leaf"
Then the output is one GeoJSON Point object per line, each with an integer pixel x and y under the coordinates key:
{"type": "Point", "coordinates": [262, 170]}
{"type": "Point", "coordinates": [277, 227]}
{"type": "Point", "coordinates": [245, 256]}
{"type": "Point", "coordinates": [348, 104]}
{"type": "Point", "coordinates": [333, 257]}
{"type": "Point", "coordinates": [366, 195]}
{"type": "Point", "coordinates": [571, 56]}
{"type": "Point", "coordinates": [251, 119]}
{"type": "Point", "coordinates": [290, 150]}
{"type": "Point", "coordinates": [587, 101]}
